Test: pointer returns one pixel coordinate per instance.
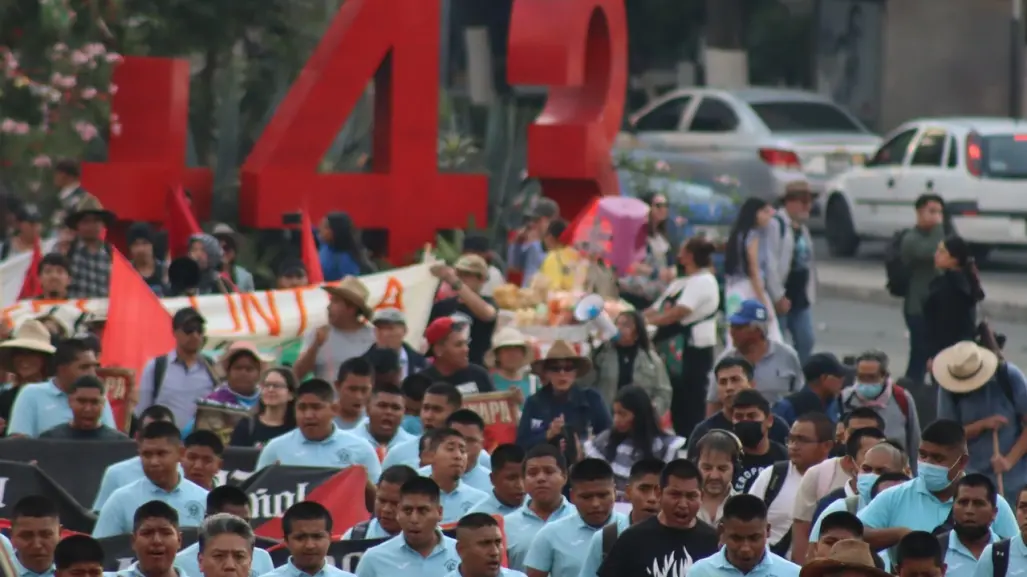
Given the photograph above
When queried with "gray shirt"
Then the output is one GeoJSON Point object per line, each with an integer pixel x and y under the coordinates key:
{"type": "Point", "coordinates": [66, 432]}
{"type": "Point", "coordinates": [777, 375]}
{"type": "Point", "coordinates": [338, 348]}
{"type": "Point", "coordinates": [903, 428]}
{"type": "Point", "coordinates": [181, 388]}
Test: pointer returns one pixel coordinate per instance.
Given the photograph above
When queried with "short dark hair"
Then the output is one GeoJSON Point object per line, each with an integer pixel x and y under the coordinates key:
{"type": "Point", "coordinates": [945, 433]}
{"type": "Point", "coordinates": [646, 466]}
{"type": "Point", "coordinates": [161, 430]}
{"type": "Point", "coordinates": [414, 386]}
{"type": "Point", "coordinates": [842, 520]}
{"type": "Point", "coordinates": [35, 506]}
{"type": "Point", "coordinates": [154, 510]}
{"type": "Point", "coordinates": [359, 366]}
{"type": "Point", "coordinates": [979, 480]}
{"type": "Point", "coordinates": [383, 361]}
{"type": "Point", "coordinates": [68, 166]}
{"type": "Point", "coordinates": [863, 413]}
{"type": "Point", "coordinates": [918, 545]}
{"type": "Point", "coordinates": [421, 486]}
{"type": "Point", "coordinates": [923, 199]}
{"type": "Point", "coordinates": [590, 469]}
{"type": "Point", "coordinates": [386, 389]}
{"type": "Point", "coordinates": [440, 436]}
{"type": "Point", "coordinates": [680, 469]}
{"type": "Point", "coordinates": [320, 388]}
{"type": "Point", "coordinates": [444, 389]}
{"type": "Point", "coordinates": [855, 440]}
{"type": "Point", "coordinates": [732, 362]}
{"type": "Point", "coordinates": [472, 521]}
{"type": "Point", "coordinates": [157, 413]}
{"type": "Point", "coordinates": [424, 442]}
{"type": "Point", "coordinates": [465, 417]}
{"type": "Point", "coordinates": [556, 227]}
{"type": "Point", "coordinates": [205, 438]}
{"type": "Point", "coordinates": [823, 426]}
{"type": "Point", "coordinates": [546, 450]}
{"type": "Point", "coordinates": [53, 259]}
{"type": "Point", "coordinates": [751, 399]}
{"type": "Point", "coordinates": [225, 496]}
{"type": "Point", "coordinates": [68, 351]}
{"type": "Point", "coordinates": [887, 478]}
{"type": "Point", "coordinates": [75, 549]}
{"type": "Point", "coordinates": [85, 382]}
{"type": "Point", "coordinates": [744, 507]}
{"type": "Point", "coordinates": [506, 454]}
{"type": "Point", "coordinates": [397, 475]}
{"type": "Point", "coordinates": [306, 511]}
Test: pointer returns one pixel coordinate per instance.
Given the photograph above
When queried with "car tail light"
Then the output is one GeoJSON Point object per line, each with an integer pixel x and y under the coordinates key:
{"type": "Point", "coordinates": [780, 158]}
{"type": "Point", "coordinates": [973, 154]}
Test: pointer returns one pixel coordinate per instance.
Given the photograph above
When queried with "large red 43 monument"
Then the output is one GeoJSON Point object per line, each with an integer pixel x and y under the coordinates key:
{"type": "Point", "coordinates": [576, 48]}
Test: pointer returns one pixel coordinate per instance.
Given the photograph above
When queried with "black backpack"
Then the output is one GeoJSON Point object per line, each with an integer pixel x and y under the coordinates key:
{"type": "Point", "coordinates": [778, 474]}
{"type": "Point", "coordinates": [999, 554]}
{"type": "Point", "coordinates": [896, 272]}
{"type": "Point", "coordinates": [609, 538]}
{"type": "Point", "coordinates": [359, 531]}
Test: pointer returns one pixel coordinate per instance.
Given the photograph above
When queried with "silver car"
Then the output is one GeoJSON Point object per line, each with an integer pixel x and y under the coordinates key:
{"type": "Point", "coordinates": [764, 137]}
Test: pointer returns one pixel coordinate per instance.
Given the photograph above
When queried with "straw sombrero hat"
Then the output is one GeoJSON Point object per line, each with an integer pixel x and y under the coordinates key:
{"type": "Point", "coordinates": [508, 337]}
{"type": "Point", "coordinates": [89, 205]}
{"type": "Point", "coordinates": [849, 555]}
{"type": "Point", "coordinates": [351, 290]}
{"type": "Point", "coordinates": [964, 367]}
{"type": "Point", "coordinates": [562, 351]}
{"type": "Point", "coordinates": [31, 335]}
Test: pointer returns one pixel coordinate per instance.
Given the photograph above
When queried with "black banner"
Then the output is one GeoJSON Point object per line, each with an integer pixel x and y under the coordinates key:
{"type": "Point", "coordinates": [274, 489]}
{"type": "Point", "coordinates": [18, 480]}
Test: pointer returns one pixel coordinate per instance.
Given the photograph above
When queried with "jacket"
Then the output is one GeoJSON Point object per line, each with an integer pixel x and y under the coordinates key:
{"type": "Point", "coordinates": [583, 411]}
{"type": "Point", "coordinates": [416, 362]}
{"type": "Point", "coordinates": [781, 247]}
{"type": "Point", "coordinates": [649, 373]}
{"type": "Point", "coordinates": [243, 279]}
{"type": "Point", "coordinates": [917, 252]}
{"type": "Point", "coordinates": [950, 311]}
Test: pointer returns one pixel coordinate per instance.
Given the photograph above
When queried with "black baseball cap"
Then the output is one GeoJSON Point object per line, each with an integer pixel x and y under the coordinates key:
{"type": "Point", "coordinates": [824, 365]}
{"type": "Point", "coordinates": [187, 315]}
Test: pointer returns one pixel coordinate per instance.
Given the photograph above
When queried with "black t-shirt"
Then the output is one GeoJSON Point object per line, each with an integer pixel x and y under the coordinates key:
{"type": "Point", "coordinates": [68, 433]}
{"type": "Point", "coordinates": [797, 281]}
{"type": "Point", "coordinates": [651, 548]}
{"type": "Point", "coordinates": [253, 433]}
{"type": "Point", "coordinates": [470, 380]}
{"type": "Point", "coordinates": [778, 431]}
{"type": "Point", "coordinates": [753, 464]}
{"type": "Point", "coordinates": [481, 331]}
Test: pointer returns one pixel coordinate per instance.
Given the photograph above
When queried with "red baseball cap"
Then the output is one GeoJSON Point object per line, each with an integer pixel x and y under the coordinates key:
{"type": "Point", "coordinates": [441, 328]}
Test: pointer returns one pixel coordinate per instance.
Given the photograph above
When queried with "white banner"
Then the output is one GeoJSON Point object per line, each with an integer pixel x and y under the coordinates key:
{"type": "Point", "coordinates": [268, 317]}
{"type": "Point", "coordinates": [13, 272]}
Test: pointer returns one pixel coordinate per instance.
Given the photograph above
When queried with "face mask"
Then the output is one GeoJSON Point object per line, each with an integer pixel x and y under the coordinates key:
{"type": "Point", "coordinates": [864, 484]}
{"type": "Point", "coordinates": [936, 477]}
{"type": "Point", "coordinates": [750, 433]}
{"type": "Point", "coordinates": [970, 532]}
{"type": "Point", "coordinates": [412, 425]}
{"type": "Point", "coordinates": [869, 390]}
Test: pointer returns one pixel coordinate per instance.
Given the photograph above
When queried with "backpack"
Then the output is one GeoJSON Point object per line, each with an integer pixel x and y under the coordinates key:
{"type": "Point", "coordinates": [778, 474]}
{"type": "Point", "coordinates": [852, 504]}
{"type": "Point", "coordinates": [359, 531]}
{"type": "Point", "coordinates": [895, 271]}
{"type": "Point", "coordinates": [898, 393]}
{"type": "Point", "coordinates": [781, 222]}
{"type": "Point", "coordinates": [1002, 376]}
{"type": "Point", "coordinates": [160, 367]}
{"type": "Point", "coordinates": [609, 538]}
{"type": "Point", "coordinates": [999, 554]}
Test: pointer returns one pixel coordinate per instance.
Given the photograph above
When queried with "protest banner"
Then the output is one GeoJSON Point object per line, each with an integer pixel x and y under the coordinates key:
{"type": "Point", "coordinates": [119, 386]}
{"type": "Point", "coordinates": [501, 413]}
{"type": "Point", "coordinates": [274, 489]}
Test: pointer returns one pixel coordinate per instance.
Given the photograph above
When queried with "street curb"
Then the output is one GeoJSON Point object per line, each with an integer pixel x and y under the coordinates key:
{"type": "Point", "coordinates": [1003, 311]}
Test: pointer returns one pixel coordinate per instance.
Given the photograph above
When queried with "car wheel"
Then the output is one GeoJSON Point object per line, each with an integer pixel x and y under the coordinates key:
{"type": "Point", "coordinates": [841, 234]}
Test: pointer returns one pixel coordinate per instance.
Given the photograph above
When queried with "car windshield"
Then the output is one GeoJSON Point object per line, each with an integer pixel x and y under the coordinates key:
{"type": "Point", "coordinates": [1005, 156]}
{"type": "Point", "coordinates": [795, 116]}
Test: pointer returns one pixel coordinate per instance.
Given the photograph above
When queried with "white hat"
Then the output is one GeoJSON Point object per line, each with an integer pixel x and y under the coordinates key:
{"type": "Point", "coordinates": [31, 335]}
{"type": "Point", "coordinates": [508, 337]}
{"type": "Point", "coordinates": [964, 367]}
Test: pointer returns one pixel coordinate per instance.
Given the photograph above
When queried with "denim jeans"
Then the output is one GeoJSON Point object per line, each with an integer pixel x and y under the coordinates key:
{"type": "Point", "coordinates": [917, 348]}
{"type": "Point", "coordinates": [799, 324]}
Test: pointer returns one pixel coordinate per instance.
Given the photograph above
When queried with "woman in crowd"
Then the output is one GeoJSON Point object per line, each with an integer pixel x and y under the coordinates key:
{"type": "Point", "coordinates": [629, 359]}
{"type": "Point", "coordinates": [242, 365]}
{"type": "Point", "coordinates": [635, 435]}
{"type": "Point", "coordinates": [509, 362]}
{"type": "Point", "coordinates": [341, 253]}
{"type": "Point", "coordinates": [950, 310]}
{"type": "Point", "coordinates": [276, 413]}
{"type": "Point", "coordinates": [716, 455]}
{"type": "Point", "coordinates": [233, 272]}
{"type": "Point", "coordinates": [26, 358]}
{"type": "Point", "coordinates": [205, 250]}
{"type": "Point", "coordinates": [651, 276]}
{"type": "Point", "coordinates": [685, 315]}
{"type": "Point", "coordinates": [746, 260]}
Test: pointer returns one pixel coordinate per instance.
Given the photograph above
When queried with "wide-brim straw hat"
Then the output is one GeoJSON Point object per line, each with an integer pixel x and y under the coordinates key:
{"type": "Point", "coordinates": [89, 205]}
{"type": "Point", "coordinates": [244, 348]}
{"type": "Point", "coordinates": [351, 290]}
{"type": "Point", "coordinates": [31, 335]}
{"type": "Point", "coordinates": [562, 351]}
{"type": "Point", "coordinates": [509, 337]}
{"type": "Point", "coordinates": [846, 555]}
{"type": "Point", "coordinates": [964, 367]}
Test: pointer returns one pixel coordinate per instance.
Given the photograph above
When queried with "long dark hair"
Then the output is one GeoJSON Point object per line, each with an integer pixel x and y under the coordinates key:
{"type": "Point", "coordinates": [345, 238]}
{"type": "Point", "coordinates": [659, 228]}
{"type": "Point", "coordinates": [960, 250]}
{"type": "Point", "coordinates": [736, 259]}
{"type": "Point", "coordinates": [642, 335]}
{"type": "Point", "coordinates": [644, 430]}
{"type": "Point", "coordinates": [290, 407]}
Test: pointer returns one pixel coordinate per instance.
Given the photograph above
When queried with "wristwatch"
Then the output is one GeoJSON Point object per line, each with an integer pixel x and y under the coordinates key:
{"type": "Point", "coordinates": [457, 284]}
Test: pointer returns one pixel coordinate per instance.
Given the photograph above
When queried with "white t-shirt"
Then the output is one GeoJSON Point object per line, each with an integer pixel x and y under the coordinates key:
{"type": "Point", "coordinates": [700, 293]}
{"type": "Point", "coordinates": [779, 515]}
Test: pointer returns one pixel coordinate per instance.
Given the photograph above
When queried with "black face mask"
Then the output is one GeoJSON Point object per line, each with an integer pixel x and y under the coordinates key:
{"type": "Point", "coordinates": [971, 532]}
{"type": "Point", "coordinates": [750, 433]}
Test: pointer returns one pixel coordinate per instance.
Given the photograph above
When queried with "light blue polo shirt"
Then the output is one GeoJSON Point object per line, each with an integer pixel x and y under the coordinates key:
{"type": "Point", "coordinates": [491, 505]}
{"type": "Point", "coordinates": [374, 531]}
{"type": "Point", "coordinates": [458, 503]}
{"type": "Point", "coordinates": [340, 449]}
{"type": "Point", "coordinates": [22, 571]}
{"type": "Point", "coordinates": [349, 425]}
{"type": "Point", "coordinates": [959, 559]}
{"type": "Point", "coordinates": [503, 572]}
{"type": "Point", "coordinates": [133, 571]}
{"type": "Point", "coordinates": [6, 544]}
{"type": "Point", "coordinates": [834, 507]}
{"type": "Point", "coordinates": [395, 557]}
{"type": "Point", "coordinates": [594, 556]}
{"type": "Point", "coordinates": [912, 506]}
{"type": "Point", "coordinates": [407, 454]}
{"type": "Point", "coordinates": [522, 525]}
{"type": "Point", "coordinates": [188, 560]}
{"type": "Point", "coordinates": [43, 406]}
{"type": "Point", "coordinates": [188, 498]}
{"type": "Point", "coordinates": [364, 432]}
{"type": "Point", "coordinates": [117, 476]}
{"type": "Point", "coordinates": [770, 566]}
{"type": "Point", "coordinates": [478, 477]}
{"type": "Point", "coordinates": [290, 570]}
{"type": "Point", "coordinates": [559, 548]}
{"type": "Point", "coordinates": [1017, 560]}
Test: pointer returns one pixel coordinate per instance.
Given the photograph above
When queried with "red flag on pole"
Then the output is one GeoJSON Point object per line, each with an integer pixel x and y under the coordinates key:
{"type": "Point", "coordinates": [308, 248]}
{"type": "Point", "coordinates": [180, 223]}
{"type": "Point", "coordinates": [31, 287]}
{"type": "Point", "coordinates": [127, 342]}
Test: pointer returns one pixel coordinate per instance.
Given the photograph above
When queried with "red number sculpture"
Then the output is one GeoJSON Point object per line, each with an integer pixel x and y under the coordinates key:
{"type": "Point", "coordinates": [579, 49]}
{"type": "Point", "coordinates": [396, 43]}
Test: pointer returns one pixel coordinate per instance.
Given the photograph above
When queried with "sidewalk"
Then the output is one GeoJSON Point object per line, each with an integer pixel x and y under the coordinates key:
{"type": "Point", "coordinates": [864, 281]}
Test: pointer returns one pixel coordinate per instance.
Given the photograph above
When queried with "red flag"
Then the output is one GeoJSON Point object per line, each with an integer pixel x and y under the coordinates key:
{"type": "Point", "coordinates": [180, 223]}
{"type": "Point", "coordinates": [311, 260]}
{"type": "Point", "coordinates": [340, 494]}
{"type": "Point", "coordinates": [127, 342]}
{"type": "Point", "coordinates": [30, 287]}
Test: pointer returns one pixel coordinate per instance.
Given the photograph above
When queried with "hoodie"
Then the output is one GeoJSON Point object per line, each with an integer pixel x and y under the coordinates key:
{"type": "Point", "coordinates": [209, 275]}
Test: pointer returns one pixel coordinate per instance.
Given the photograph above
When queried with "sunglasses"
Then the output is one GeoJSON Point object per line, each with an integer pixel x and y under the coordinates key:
{"type": "Point", "coordinates": [562, 367]}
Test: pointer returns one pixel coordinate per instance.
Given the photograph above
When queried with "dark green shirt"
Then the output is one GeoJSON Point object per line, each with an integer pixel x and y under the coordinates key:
{"type": "Point", "coordinates": [917, 251]}
{"type": "Point", "coordinates": [68, 433]}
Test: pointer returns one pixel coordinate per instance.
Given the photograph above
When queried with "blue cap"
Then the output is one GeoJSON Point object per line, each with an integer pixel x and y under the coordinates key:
{"type": "Point", "coordinates": [751, 311]}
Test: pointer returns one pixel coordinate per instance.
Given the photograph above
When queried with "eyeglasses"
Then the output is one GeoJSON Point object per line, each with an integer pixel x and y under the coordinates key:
{"type": "Point", "coordinates": [562, 367]}
{"type": "Point", "coordinates": [275, 386]}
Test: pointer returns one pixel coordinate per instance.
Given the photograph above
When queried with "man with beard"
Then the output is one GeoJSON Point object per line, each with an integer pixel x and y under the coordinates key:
{"type": "Point", "coordinates": [35, 530]}
{"type": "Point", "coordinates": [307, 527]}
{"type": "Point", "coordinates": [751, 418]}
{"type": "Point", "coordinates": [973, 512]}
{"type": "Point", "coordinates": [448, 463]}
{"type": "Point", "coordinates": [479, 542]}
{"type": "Point", "coordinates": [545, 474]}
{"type": "Point", "coordinates": [717, 455]}
{"type": "Point", "coordinates": [670, 542]}
{"type": "Point", "coordinates": [440, 401]}
{"type": "Point", "coordinates": [382, 428]}
{"type": "Point", "coordinates": [384, 524]}
{"type": "Point", "coordinates": [155, 540]}
{"type": "Point", "coordinates": [231, 500]}
{"type": "Point", "coordinates": [743, 531]}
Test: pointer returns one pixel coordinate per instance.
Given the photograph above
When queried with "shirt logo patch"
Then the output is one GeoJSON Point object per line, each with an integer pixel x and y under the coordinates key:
{"type": "Point", "coordinates": [536, 424]}
{"type": "Point", "coordinates": [343, 456]}
{"type": "Point", "coordinates": [451, 565]}
{"type": "Point", "coordinates": [194, 509]}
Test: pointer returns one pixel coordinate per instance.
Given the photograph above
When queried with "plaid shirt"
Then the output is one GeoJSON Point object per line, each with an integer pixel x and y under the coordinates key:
{"type": "Point", "coordinates": [665, 447]}
{"type": "Point", "coordinates": [90, 272]}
